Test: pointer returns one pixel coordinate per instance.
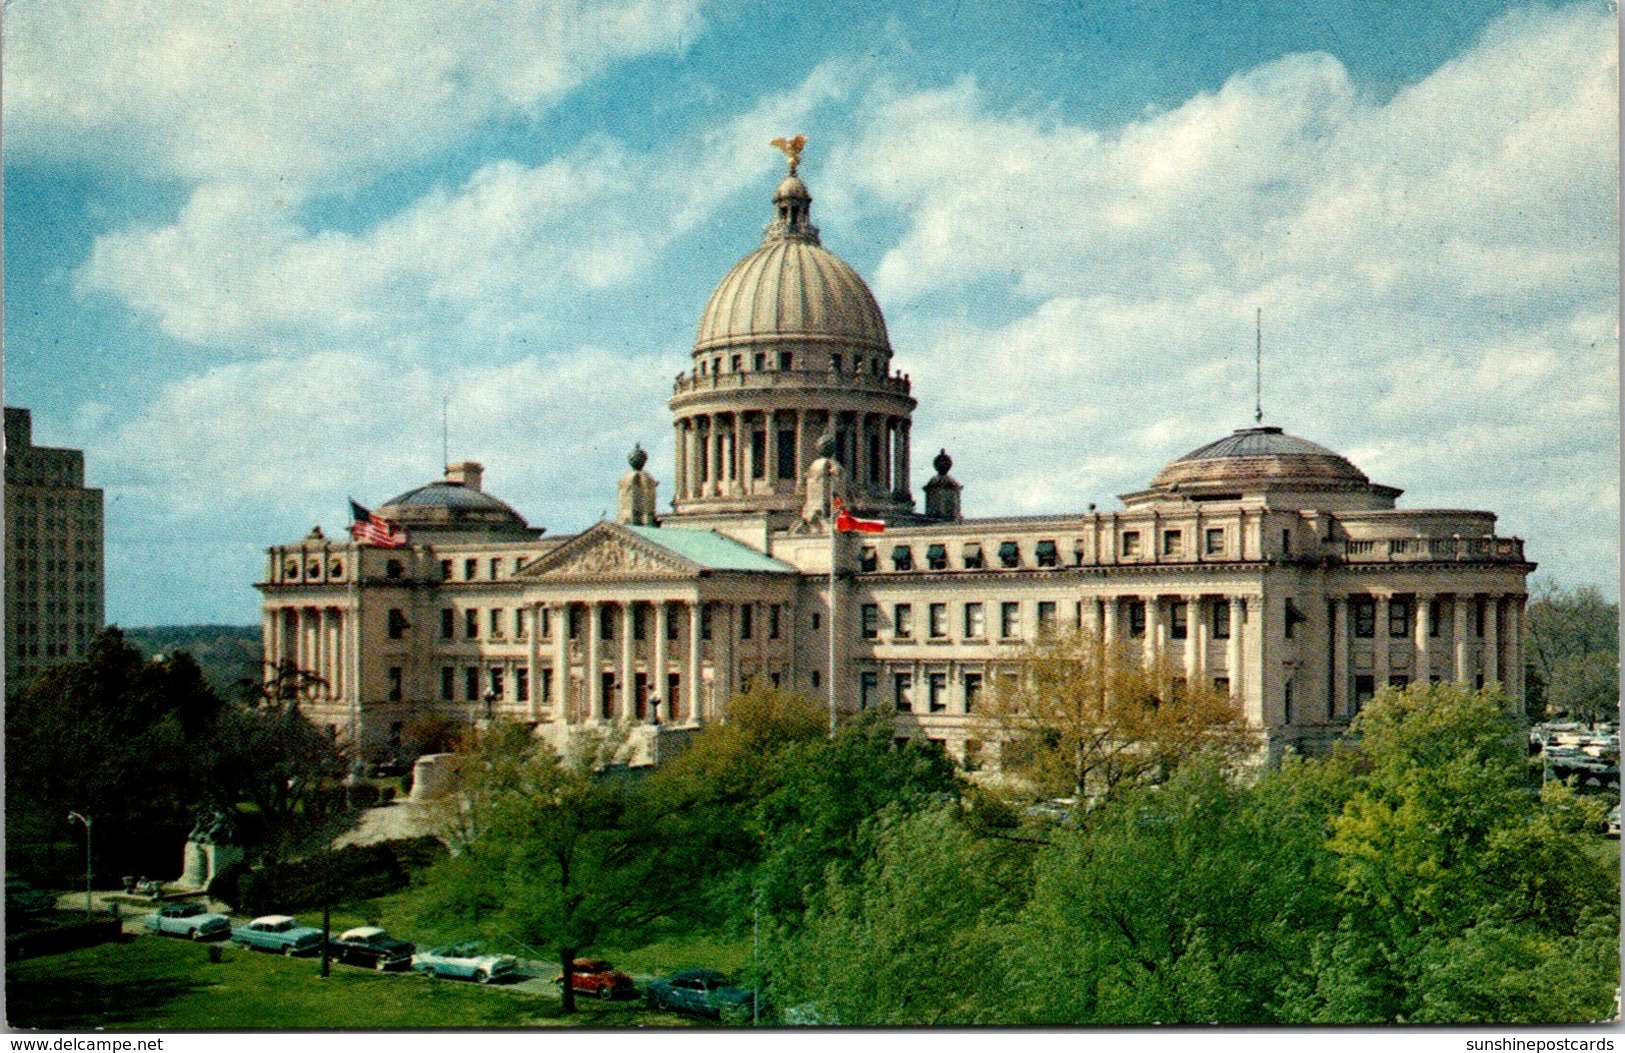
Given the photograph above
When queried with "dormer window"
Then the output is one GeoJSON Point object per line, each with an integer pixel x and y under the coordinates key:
{"type": "Point", "coordinates": [870, 559]}
{"type": "Point", "coordinates": [973, 556]}
{"type": "Point", "coordinates": [936, 557]}
{"type": "Point", "coordinates": [1009, 555]}
{"type": "Point", "coordinates": [1046, 554]}
{"type": "Point", "coordinates": [902, 558]}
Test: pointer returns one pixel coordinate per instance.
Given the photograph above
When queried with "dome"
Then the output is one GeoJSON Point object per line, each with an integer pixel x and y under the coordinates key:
{"type": "Point", "coordinates": [1254, 456]}
{"type": "Point", "coordinates": [455, 503]}
{"type": "Point", "coordinates": [792, 290]}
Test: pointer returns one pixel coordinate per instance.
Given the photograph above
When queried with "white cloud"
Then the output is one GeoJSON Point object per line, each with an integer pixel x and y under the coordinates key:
{"type": "Point", "coordinates": [491, 259]}
{"type": "Point", "coordinates": [1437, 273]}
{"type": "Point", "coordinates": [295, 93]}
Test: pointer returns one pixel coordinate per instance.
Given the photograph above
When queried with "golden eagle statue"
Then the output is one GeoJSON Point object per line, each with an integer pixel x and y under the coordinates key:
{"type": "Point", "coordinates": [792, 149]}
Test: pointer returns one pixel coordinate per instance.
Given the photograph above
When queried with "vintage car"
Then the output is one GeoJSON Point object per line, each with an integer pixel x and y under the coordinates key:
{"type": "Point", "coordinates": [466, 961]}
{"type": "Point", "coordinates": [372, 947]}
{"type": "Point", "coordinates": [704, 992]}
{"type": "Point", "coordinates": [191, 920]}
{"type": "Point", "coordinates": [594, 976]}
{"type": "Point", "coordinates": [277, 932]}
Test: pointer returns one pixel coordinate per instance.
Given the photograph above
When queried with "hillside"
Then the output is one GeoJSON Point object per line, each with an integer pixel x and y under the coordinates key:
{"type": "Point", "coordinates": [227, 654]}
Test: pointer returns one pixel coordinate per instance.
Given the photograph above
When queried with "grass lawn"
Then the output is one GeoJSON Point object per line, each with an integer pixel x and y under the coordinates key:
{"type": "Point", "coordinates": [151, 983]}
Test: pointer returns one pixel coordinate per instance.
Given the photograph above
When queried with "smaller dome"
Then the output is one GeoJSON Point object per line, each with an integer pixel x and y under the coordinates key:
{"type": "Point", "coordinates": [792, 187]}
{"type": "Point", "coordinates": [455, 505]}
{"type": "Point", "coordinates": [1253, 456]}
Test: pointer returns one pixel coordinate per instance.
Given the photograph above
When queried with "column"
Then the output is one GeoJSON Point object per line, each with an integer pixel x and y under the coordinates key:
{"type": "Point", "coordinates": [741, 451]}
{"type": "Point", "coordinates": [1108, 621]}
{"type": "Point", "coordinates": [708, 438]}
{"type": "Point", "coordinates": [902, 460]}
{"type": "Point", "coordinates": [559, 619]}
{"type": "Point", "coordinates": [1515, 633]}
{"type": "Point", "coordinates": [626, 710]}
{"type": "Point", "coordinates": [1491, 661]}
{"type": "Point", "coordinates": [657, 672]}
{"type": "Point", "coordinates": [724, 637]}
{"type": "Point", "coordinates": [678, 481]}
{"type": "Point", "coordinates": [800, 417]}
{"type": "Point", "coordinates": [1232, 652]}
{"type": "Point", "coordinates": [1152, 651]}
{"type": "Point", "coordinates": [269, 642]}
{"type": "Point", "coordinates": [1340, 657]}
{"type": "Point", "coordinates": [1196, 629]}
{"type": "Point", "coordinates": [691, 679]}
{"type": "Point", "coordinates": [691, 450]}
{"type": "Point", "coordinates": [1091, 627]}
{"type": "Point", "coordinates": [1458, 611]}
{"type": "Point", "coordinates": [301, 643]}
{"type": "Point", "coordinates": [335, 652]}
{"type": "Point", "coordinates": [1419, 631]}
{"type": "Point", "coordinates": [1379, 644]}
{"type": "Point", "coordinates": [533, 654]}
{"type": "Point", "coordinates": [591, 676]}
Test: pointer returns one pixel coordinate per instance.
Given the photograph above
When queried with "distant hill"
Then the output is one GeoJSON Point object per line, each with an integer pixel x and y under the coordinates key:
{"type": "Point", "coordinates": [226, 653]}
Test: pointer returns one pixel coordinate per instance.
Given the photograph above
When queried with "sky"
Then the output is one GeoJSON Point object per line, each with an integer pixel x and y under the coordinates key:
{"type": "Point", "coordinates": [253, 248]}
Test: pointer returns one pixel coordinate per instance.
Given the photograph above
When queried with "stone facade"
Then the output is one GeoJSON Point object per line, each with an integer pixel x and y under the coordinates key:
{"type": "Point", "coordinates": [54, 604]}
{"type": "Point", "coordinates": [1261, 562]}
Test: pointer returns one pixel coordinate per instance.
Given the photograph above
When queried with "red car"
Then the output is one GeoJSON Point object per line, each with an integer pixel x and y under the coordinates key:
{"type": "Point", "coordinates": [594, 976]}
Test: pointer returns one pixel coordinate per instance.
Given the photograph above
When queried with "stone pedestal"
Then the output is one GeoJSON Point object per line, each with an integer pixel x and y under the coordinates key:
{"type": "Point", "coordinates": [201, 862]}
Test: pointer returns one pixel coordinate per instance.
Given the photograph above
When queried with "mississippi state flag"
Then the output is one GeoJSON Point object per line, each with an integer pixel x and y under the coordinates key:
{"type": "Point", "coordinates": [848, 523]}
{"type": "Point", "coordinates": [370, 528]}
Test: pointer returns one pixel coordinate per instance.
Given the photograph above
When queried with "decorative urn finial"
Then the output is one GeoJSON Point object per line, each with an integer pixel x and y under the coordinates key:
{"type": "Point", "coordinates": [637, 458]}
{"type": "Point", "coordinates": [943, 462]}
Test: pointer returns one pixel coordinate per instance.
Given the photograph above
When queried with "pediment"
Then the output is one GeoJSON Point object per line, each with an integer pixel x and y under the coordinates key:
{"type": "Point", "coordinates": [605, 553]}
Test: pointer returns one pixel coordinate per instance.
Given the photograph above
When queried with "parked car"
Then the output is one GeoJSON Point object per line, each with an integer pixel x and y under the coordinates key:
{"type": "Point", "coordinates": [594, 976]}
{"type": "Point", "coordinates": [23, 898]}
{"type": "Point", "coordinates": [277, 932]}
{"type": "Point", "coordinates": [704, 992]}
{"type": "Point", "coordinates": [191, 920]}
{"type": "Point", "coordinates": [466, 961]}
{"type": "Point", "coordinates": [372, 947]}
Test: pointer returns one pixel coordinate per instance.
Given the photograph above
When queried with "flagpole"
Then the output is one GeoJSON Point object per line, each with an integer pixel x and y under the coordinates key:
{"type": "Point", "coordinates": [830, 502]}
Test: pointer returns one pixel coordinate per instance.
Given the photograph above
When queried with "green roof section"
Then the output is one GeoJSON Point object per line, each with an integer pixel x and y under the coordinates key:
{"type": "Point", "coordinates": [711, 550]}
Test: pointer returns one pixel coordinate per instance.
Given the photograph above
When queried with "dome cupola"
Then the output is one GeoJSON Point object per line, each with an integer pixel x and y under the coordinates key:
{"type": "Point", "coordinates": [1260, 460]}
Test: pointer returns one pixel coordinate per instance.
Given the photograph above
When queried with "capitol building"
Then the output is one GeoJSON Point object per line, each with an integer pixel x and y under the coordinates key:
{"type": "Point", "coordinates": [1262, 563]}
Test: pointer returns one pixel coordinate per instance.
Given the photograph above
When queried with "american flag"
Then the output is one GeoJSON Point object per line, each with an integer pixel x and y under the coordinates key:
{"type": "Point", "coordinates": [846, 522]}
{"type": "Point", "coordinates": [371, 528]}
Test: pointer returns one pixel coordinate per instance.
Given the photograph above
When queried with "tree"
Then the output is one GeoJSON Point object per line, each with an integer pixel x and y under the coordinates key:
{"type": "Point", "coordinates": [1083, 720]}
{"type": "Point", "coordinates": [1573, 652]}
{"type": "Point", "coordinates": [819, 817]}
{"type": "Point", "coordinates": [551, 853]}
{"type": "Point", "coordinates": [912, 938]}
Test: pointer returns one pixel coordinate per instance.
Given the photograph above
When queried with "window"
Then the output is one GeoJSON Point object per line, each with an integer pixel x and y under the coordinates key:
{"type": "Point", "coordinates": [705, 622]}
{"type": "Point", "coordinates": [835, 363]}
{"type": "Point", "coordinates": [973, 691]}
{"type": "Point", "coordinates": [1364, 688]}
{"type": "Point", "coordinates": [1009, 620]}
{"type": "Point", "coordinates": [787, 454]}
{"type": "Point", "coordinates": [448, 623]}
{"type": "Point", "coordinates": [1009, 554]}
{"type": "Point", "coordinates": [1131, 543]}
{"type": "Point", "coordinates": [1286, 702]}
{"type": "Point", "coordinates": [471, 623]}
{"type": "Point", "coordinates": [936, 692]}
{"type": "Point", "coordinates": [1179, 620]}
{"type": "Point", "coordinates": [496, 622]}
{"type": "Point", "coordinates": [972, 556]}
{"type": "Point", "coordinates": [521, 684]}
{"type": "Point", "coordinates": [1435, 608]}
{"type": "Point", "coordinates": [937, 622]}
{"type": "Point", "coordinates": [759, 361]}
{"type": "Point", "coordinates": [786, 359]}
{"type": "Point", "coordinates": [869, 559]}
{"type": "Point", "coordinates": [1046, 618]}
{"type": "Point", "coordinates": [868, 685]}
{"type": "Point", "coordinates": [734, 363]}
{"type": "Point", "coordinates": [1046, 554]}
{"type": "Point", "coordinates": [445, 570]}
{"type": "Point", "coordinates": [471, 684]}
{"type": "Point", "coordinates": [1365, 617]}
{"type": "Point", "coordinates": [606, 622]}
{"type": "Point", "coordinates": [936, 557]}
{"type": "Point", "coordinates": [1173, 542]}
{"type": "Point", "coordinates": [773, 621]}
{"type": "Point", "coordinates": [903, 621]}
{"type": "Point", "coordinates": [1222, 684]}
{"type": "Point", "coordinates": [496, 568]}
{"type": "Point", "coordinates": [397, 623]}
{"type": "Point", "coordinates": [471, 569]}
{"type": "Point", "coordinates": [1213, 541]}
{"type": "Point", "coordinates": [1293, 616]}
{"type": "Point", "coordinates": [397, 688]}
{"type": "Point", "coordinates": [1286, 542]}
{"type": "Point", "coordinates": [394, 568]}
{"type": "Point", "coordinates": [519, 622]}
{"type": "Point", "coordinates": [746, 620]}
{"type": "Point", "coordinates": [869, 621]}
{"type": "Point", "coordinates": [758, 448]}
{"type": "Point", "coordinates": [1399, 618]}
{"type": "Point", "coordinates": [1221, 620]}
{"type": "Point", "coordinates": [974, 626]}
{"type": "Point", "coordinates": [1399, 681]}
{"type": "Point", "coordinates": [496, 682]}
{"type": "Point", "coordinates": [448, 683]}
{"type": "Point", "coordinates": [1478, 618]}
{"type": "Point", "coordinates": [902, 688]}
{"type": "Point", "coordinates": [902, 558]}
{"type": "Point", "coordinates": [1136, 617]}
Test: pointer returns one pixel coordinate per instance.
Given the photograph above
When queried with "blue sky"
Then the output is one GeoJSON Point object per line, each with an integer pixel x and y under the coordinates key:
{"type": "Point", "coordinates": [251, 246]}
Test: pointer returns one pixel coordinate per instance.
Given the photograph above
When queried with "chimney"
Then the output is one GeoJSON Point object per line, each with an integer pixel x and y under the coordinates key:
{"type": "Point", "coordinates": [465, 473]}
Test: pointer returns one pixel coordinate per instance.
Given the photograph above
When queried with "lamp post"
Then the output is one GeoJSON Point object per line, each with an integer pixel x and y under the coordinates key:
{"type": "Point", "coordinates": [86, 820]}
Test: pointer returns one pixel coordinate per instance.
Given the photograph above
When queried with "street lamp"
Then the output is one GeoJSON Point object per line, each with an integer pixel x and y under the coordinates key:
{"type": "Point", "coordinates": [86, 820]}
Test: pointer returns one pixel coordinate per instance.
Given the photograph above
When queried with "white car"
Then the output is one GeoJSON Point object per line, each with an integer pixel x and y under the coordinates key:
{"type": "Point", "coordinates": [466, 960]}
{"type": "Point", "coordinates": [188, 919]}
